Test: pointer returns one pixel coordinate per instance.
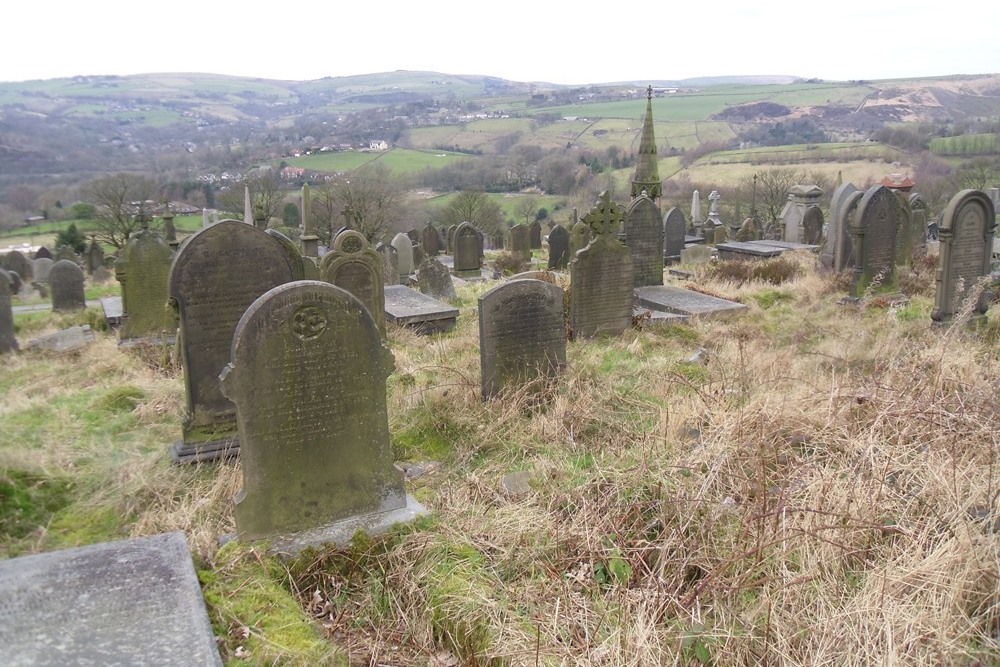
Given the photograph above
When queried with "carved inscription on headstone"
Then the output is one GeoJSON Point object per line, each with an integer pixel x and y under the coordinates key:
{"type": "Point", "coordinates": [522, 334]}
{"type": "Point", "coordinates": [644, 237]}
{"type": "Point", "coordinates": [558, 248]}
{"type": "Point", "coordinates": [66, 282]}
{"type": "Point", "coordinates": [966, 236]}
{"type": "Point", "coordinates": [430, 240]}
{"type": "Point", "coordinates": [357, 268]}
{"type": "Point", "coordinates": [308, 377]}
{"type": "Point", "coordinates": [874, 228]}
{"type": "Point", "coordinates": [468, 246]}
{"type": "Point", "coordinates": [520, 241]}
{"type": "Point", "coordinates": [143, 269]}
{"type": "Point", "coordinates": [674, 228]}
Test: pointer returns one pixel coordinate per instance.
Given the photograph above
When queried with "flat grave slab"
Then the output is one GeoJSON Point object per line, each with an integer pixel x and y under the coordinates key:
{"type": "Point", "coordinates": [746, 250]}
{"type": "Point", "coordinates": [133, 602]}
{"type": "Point", "coordinates": [67, 340]}
{"type": "Point", "coordinates": [787, 245]}
{"type": "Point", "coordinates": [658, 316]}
{"type": "Point", "coordinates": [696, 240]}
{"type": "Point", "coordinates": [680, 301]}
{"type": "Point", "coordinates": [113, 310]}
{"type": "Point", "coordinates": [408, 307]}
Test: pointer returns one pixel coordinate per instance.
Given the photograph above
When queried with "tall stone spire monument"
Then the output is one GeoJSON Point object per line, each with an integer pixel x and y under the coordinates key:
{"type": "Point", "coordinates": [647, 176]}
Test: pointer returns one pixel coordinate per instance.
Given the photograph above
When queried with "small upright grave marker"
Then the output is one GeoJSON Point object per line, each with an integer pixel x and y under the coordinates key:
{"type": "Point", "coordinates": [66, 282]}
{"type": "Point", "coordinates": [966, 237]}
{"type": "Point", "coordinates": [143, 269]}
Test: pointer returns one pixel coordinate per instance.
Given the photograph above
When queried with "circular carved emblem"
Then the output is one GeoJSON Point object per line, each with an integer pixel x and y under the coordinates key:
{"type": "Point", "coordinates": [352, 244]}
{"type": "Point", "coordinates": [308, 322]}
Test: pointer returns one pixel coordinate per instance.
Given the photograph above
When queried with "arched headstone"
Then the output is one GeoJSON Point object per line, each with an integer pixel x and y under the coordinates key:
{"type": "Point", "coordinates": [354, 266]}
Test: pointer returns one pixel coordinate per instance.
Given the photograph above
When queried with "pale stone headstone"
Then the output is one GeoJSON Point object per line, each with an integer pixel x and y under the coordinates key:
{"type": "Point", "coordinates": [837, 251]}
{"type": "Point", "coordinates": [19, 264]}
{"type": "Point", "coordinates": [643, 227]}
{"type": "Point", "coordinates": [390, 266]}
{"type": "Point", "coordinates": [520, 241]}
{"type": "Point", "coordinates": [579, 237]}
{"type": "Point", "coordinates": [308, 377]}
{"type": "Point", "coordinates": [217, 273]}
{"type": "Point", "coordinates": [354, 266]}
{"type": "Point", "coordinates": [468, 250]}
{"type": "Point", "coordinates": [812, 225]}
{"type": "Point", "coordinates": [67, 253]}
{"type": "Point", "coordinates": [129, 602]}
{"type": "Point", "coordinates": [966, 243]}
{"type": "Point", "coordinates": [41, 267]}
{"type": "Point", "coordinates": [558, 248]}
{"type": "Point", "coordinates": [430, 240]}
{"type": "Point", "coordinates": [8, 343]}
{"type": "Point", "coordinates": [66, 340]}
{"type": "Point", "coordinates": [601, 276]}
{"type": "Point", "coordinates": [143, 269]}
{"type": "Point", "coordinates": [404, 255]}
{"type": "Point", "coordinates": [535, 235]}
{"type": "Point", "coordinates": [874, 229]}
{"type": "Point", "coordinates": [451, 238]}
{"type": "Point", "coordinates": [800, 198]}
{"type": "Point", "coordinates": [522, 334]}
{"type": "Point", "coordinates": [674, 229]}
{"type": "Point", "coordinates": [434, 279]}
{"type": "Point", "coordinates": [696, 210]}
{"type": "Point", "coordinates": [680, 301]}
{"type": "Point", "coordinates": [66, 282]}
{"type": "Point", "coordinates": [696, 254]}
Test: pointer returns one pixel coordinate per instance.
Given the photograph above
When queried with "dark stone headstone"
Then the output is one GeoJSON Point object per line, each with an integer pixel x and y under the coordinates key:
{"type": "Point", "coordinates": [67, 253]}
{"type": "Point", "coordinates": [451, 238]}
{"type": "Point", "coordinates": [215, 276]}
{"type": "Point", "coordinates": [468, 244]}
{"type": "Point", "coordinates": [94, 256]}
{"type": "Point", "coordinates": [66, 282]}
{"type": "Point", "coordinates": [837, 253]}
{"type": "Point", "coordinates": [43, 252]}
{"type": "Point", "coordinates": [535, 235]}
{"type": "Point", "coordinates": [16, 284]}
{"type": "Point", "coordinates": [354, 266]}
{"type": "Point", "coordinates": [143, 269]}
{"type": "Point", "coordinates": [918, 234]}
{"type": "Point", "coordinates": [434, 279]}
{"type": "Point", "coordinates": [132, 602]}
{"type": "Point", "coordinates": [430, 240]}
{"type": "Point", "coordinates": [874, 230]}
{"type": "Point", "coordinates": [298, 262]}
{"type": "Point", "coordinates": [812, 225]}
{"type": "Point", "coordinates": [308, 377]}
{"type": "Point", "coordinates": [390, 265]}
{"type": "Point", "coordinates": [520, 241]}
{"type": "Point", "coordinates": [966, 237]}
{"type": "Point", "coordinates": [404, 255]}
{"type": "Point", "coordinates": [601, 276]}
{"type": "Point", "coordinates": [414, 235]}
{"type": "Point", "coordinates": [8, 343]}
{"type": "Point", "coordinates": [522, 334]}
{"type": "Point", "coordinates": [19, 264]}
{"type": "Point", "coordinates": [674, 227]}
{"type": "Point", "coordinates": [558, 248]}
{"type": "Point", "coordinates": [424, 314]}
{"type": "Point", "coordinates": [418, 255]}
{"type": "Point", "coordinates": [41, 268]}
{"type": "Point", "coordinates": [643, 226]}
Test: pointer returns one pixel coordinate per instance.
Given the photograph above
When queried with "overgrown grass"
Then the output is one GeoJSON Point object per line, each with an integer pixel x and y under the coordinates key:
{"type": "Point", "coordinates": [806, 483]}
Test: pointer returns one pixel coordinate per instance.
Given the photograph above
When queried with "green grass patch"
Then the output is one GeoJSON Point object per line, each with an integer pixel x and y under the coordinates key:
{"type": "Point", "coordinates": [28, 501]}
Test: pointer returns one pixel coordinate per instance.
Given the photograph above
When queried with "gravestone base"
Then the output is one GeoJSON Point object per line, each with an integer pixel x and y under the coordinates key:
{"type": "Point", "coordinates": [202, 452]}
{"type": "Point", "coordinates": [340, 532]}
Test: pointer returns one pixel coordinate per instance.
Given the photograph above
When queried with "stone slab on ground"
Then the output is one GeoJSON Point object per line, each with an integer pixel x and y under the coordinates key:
{"type": "Point", "coordinates": [133, 602]}
{"type": "Point", "coordinates": [747, 250]}
{"type": "Point", "coordinates": [410, 308]}
{"type": "Point", "coordinates": [658, 316]}
{"type": "Point", "coordinates": [67, 340]}
{"type": "Point", "coordinates": [787, 245]}
{"type": "Point", "coordinates": [113, 310]}
{"type": "Point", "coordinates": [680, 301]}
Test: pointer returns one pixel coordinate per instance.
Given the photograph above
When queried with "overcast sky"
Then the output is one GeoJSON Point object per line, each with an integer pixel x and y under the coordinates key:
{"type": "Point", "coordinates": [540, 40]}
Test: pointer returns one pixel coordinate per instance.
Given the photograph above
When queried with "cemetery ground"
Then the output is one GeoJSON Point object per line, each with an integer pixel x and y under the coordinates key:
{"type": "Point", "coordinates": [802, 483]}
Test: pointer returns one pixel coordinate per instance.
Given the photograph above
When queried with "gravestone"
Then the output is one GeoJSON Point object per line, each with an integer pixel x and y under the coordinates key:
{"type": "Point", "coordinates": [837, 253]}
{"type": "Point", "coordinates": [812, 225]}
{"type": "Point", "coordinates": [143, 269]}
{"type": "Point", "coordinates": [558, 248]}
{"type": "Point", "coordinates": [579, 237]}
{"type": "Point", "coordinates": [520, 241]}
{"type": "Point", "coordinates": [66, 282]}
{"type": "Point", "coordinates": [434, 279]}
{"type": "Point", "coordinates": [919, 210]}
{"type": "Point", "coordinates": [522, 334]}
{"type": "Point", "coordinates": [16, 284]}
{"type": "Point", "coordinates": [66, 340]}
{"type": "Point", "coordinates": [308, 378]}
{"type": "Point", "coordinates": [404, 255]}
{"type": "Point", "coordinates": [419, 312]}
{"type": "Point", "coordinates": [390, 266]}
{"type": "Point", "coordinates": [740, 250]}
{"type": "Point", "coordinates": [94, 256]}
{"type": "Point", "coordinates": [696, 213]}
{"type": "Point", "coordinates": [43, 252]}
{"type": "Point", "coordinates": [41, 268]}
{"type": "Point", "coordinates": [129, 602]}
{"type": "Point", "coordinates": [451, 238]}
{"type": "Point", "coordinates": [601, 276]}
{"type": "Point", "coordinates": [696, 254]}
{"type": "Point", "coordinates": [430, 240]}
{"type": "Point", "coordinates": [414, 235]}
{"type": "Point", "coordinates": [418, 255]}
{"type": "Point", "coordinates": [468, 249]}
{"type": "Point", "coordinates": [67, 253]}
{"type": "Point", "coordinates": [874, 228]}
{"type": "Point", "coordinates": [674, 229]}
{"type": "Point", "coordinates": [905, 231]}
{"type": "Point", "coordinates": [800, 198]}
{"type": "Point", "coordinates": [354, 266]}
{"type": "Point", "coordinates": [8, 343]}
{"type": "Point", "coordinates": [300, 265]}
{"type": "Point", "coordinates": [19, 264]}
{"type": "Point", "coordinates": [535, 235]}
{"type": "Point", "coordinates": [966, 238]}
{"type": "Point", "coordinates": [215, 276]}
{"type": "Point", "coordinates": [643, 227]}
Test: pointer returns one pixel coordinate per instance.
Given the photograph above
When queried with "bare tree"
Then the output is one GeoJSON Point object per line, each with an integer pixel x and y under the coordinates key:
{"type": "Point", "coordinates": [476, 208]}
{"type": "Point", "coordinates": [772, 190]}
{"type": "Point", "coordinates": [527, 208]}
{"type": "Point", "coordinates": [372, 197]}
{"type": "Point", "coordinates": [267, 195]}
{"type": "Point", "coordinates": [123, 201]}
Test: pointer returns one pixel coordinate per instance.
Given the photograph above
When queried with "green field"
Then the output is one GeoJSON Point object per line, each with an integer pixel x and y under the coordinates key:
{"type": "Point", "coordinates": [966, 145]}
{"type": "Point", "coordinates": [400, 160]}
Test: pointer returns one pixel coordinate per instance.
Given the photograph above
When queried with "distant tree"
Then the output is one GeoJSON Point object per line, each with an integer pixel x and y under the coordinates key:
{"type": "Point", "coordinates": [122, 201]}
{"type": "Point", "coordinates": [83, 211]}
{"type": "Point", "coordinates": [267, 195]}
{"type": "Point", "coordinates": [772, 190]}
{"type": "Point", "coordinates": [980, 174]}
{"type": "Point", "coordinates": [373, 195]}
{"type": "Point", "coordinates": [526, 208]}
{"type": "Point", "coordinates": [476, 208]}
{"type": "Point", "coordinates": [290, 215]}
{"type": "Point", "coordinates": [72, 237]}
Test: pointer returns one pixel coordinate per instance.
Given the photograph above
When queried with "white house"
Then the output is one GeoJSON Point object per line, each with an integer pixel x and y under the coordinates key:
{"type": "Point", "coordinates": [379, 145]}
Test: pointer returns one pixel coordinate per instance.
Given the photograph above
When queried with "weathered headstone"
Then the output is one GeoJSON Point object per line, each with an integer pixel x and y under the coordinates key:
{"type": "Point", "coordinates": [65, 340]}
{"type": "Point", "coordinates": [674, 229]}
{"type": "Point", "coordinates": [643, 227]}
{"type": "Point", "coordinates": [404, 255]}
{"type": "Point", "coordinates": [143, 269]}
{"type": "Point", "coordinates": [43, 252]}
{"type": "Point", "coordinates": [430, 240]}
{"type": "Point", "coordinates": [451, 238]}
{"type": "Point", "coordinates": [535, 235]}
{"type": "Point", "coordinates": [579, 237]}
{"type": "Point", "coordinates": [468, 248]}
{"type": "Point", "coordinates": [434, 279]}
{"type": "Point", "coordinates": [558, 248]}
{"type": "Point", "coordinates": [522, 334]}
{"type": "Point", "coordinates": [215, 276]}
{"type": "Point", "coordinates": [19, 264]}
{"type": "Point", "coordinates": [129, 602]}
{"type": "Point", "coordinates": [300, 266]}
{"type": "Point", "coordinates": [414, 235]}
{"type": "Point", "coordinates": [696, 254]}
{"type": "Point", "coordinates": [919, 210]}
{"type": "Point", "coordinates": [308, 377]}
{"type": "Point", "coordinates": [41, 268]}
{"type": "Point", "coordinates": [67, 253]}
{"type": "Point", "coordinates": [66, 282]}
{"type": "Point", "coordinates": [354, 266]}
{"type": "Point", "coordinates": [418, 255]}
{"type": "Point", "coordinates": [696, 213]}
{"type": "Point", "coordinates": [390, 266]}
{"type": "Point", "coordinates": [812, 225]}
{"type": "Point", "coordinates": [601, 276]}
{"type": "Point", "coordinates": [94, 256]}
{"type": "Point", "coordinates": [966, 237]}
{"type": "Point", "coordinates": [520, 241]}
{"type": "Point", "coordinates": [837, 253]}
{"type": "Point", "coordinates": [8, 343]}
{"type": "Point", "coordinates": [874, 228]}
